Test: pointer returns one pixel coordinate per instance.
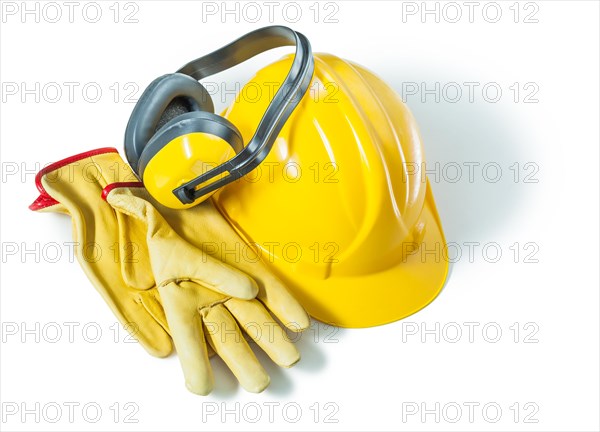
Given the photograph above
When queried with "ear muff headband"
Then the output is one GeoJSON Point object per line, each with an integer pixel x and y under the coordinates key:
{"type": "Point", "coordinates": [281, 107]}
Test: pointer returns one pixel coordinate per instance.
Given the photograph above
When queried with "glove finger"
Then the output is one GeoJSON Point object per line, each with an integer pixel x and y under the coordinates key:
{"type": "Point", "coordinates": [226, 338]}
{"type": "Point", "coordinates": [134, 315]}
{"type": "Point", "coordinates": [275, 296]}
{"type": "Point", "coordinates": [134, 257]}
{"type": "Point", "coordinates": [185, 325]}
{"type": "Point", "coordinates": [150, 299]}
{"type": "Point", "coordinates": [213, 273]}
{"type": "Point", "coordinates": [262, 328]}
{"type": "Point", "coordinates": [135, 271]}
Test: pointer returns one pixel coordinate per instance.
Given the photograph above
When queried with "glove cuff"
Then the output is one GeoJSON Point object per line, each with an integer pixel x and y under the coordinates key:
{"type": "Point", "coordinates": [45, 199]}
{"type": "Point", "coordinates": [109, 188]}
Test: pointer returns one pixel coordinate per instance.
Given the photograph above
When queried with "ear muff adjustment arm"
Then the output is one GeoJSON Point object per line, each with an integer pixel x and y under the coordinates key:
{"type": "Point", "coordinates": [281, 107]}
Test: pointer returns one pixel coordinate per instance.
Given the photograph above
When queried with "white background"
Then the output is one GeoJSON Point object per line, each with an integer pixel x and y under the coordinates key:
{"type": "Point", "coordinates": [370, 379]}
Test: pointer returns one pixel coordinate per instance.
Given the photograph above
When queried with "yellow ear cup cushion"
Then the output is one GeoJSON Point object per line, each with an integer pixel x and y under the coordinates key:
{"type": "Point", "coordinates": [181, 160]}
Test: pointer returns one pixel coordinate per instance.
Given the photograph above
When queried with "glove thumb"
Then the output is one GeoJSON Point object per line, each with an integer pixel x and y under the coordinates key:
{"type": "Point", "coordinates": [171, 257]}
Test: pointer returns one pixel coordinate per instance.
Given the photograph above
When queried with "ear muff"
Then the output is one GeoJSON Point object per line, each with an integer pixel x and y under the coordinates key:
{"type": "Point", "coordinates": [165, 97]}
{"type": "Point", "coordinates": [173, 128]}
{"type": "Point", "coordinates": [184, 148]}
{"type": "Point", "coordinates": [173, 136]}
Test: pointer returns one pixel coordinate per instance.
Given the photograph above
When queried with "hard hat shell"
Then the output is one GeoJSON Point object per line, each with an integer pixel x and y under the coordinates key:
{"type": "Point", "coordinates": [340, 209]}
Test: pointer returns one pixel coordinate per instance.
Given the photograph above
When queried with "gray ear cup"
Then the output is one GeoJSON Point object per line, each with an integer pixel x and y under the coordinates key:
{"type": "Point", "coordinates": [195, 121]}
{"type": "Point", "coordinates": [166, 98]}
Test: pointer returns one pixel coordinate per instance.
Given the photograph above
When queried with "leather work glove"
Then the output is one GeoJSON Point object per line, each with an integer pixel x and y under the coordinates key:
{"type": "Point", "coordinates": [74, 186]}
{"type": "Point", "coordinates": [197, 315]}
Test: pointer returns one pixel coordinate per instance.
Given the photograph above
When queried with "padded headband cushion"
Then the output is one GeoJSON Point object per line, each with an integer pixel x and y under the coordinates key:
{"type": "Point", "coordinates": [167, 97]}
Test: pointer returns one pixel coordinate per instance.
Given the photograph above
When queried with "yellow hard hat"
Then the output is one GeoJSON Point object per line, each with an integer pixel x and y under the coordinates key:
{"type": "Point", "coordinates": [340, 209]}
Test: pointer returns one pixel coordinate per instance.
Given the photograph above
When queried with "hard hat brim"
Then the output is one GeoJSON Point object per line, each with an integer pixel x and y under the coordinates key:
{"type": "Point", "coordinates": [382, 297]}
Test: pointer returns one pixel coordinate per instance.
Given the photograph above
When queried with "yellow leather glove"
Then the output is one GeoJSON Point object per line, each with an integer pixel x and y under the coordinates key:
{"type": "Point", "coordinates": [197, 315]}
{"type": "Point", "coordinates": [131, 293]}
{"type": "Point", "coordinates": [74, 186]}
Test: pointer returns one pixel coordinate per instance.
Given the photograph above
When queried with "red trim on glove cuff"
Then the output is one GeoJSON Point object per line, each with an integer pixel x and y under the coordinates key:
{"type": "Point", "coordinates": [66, 161]}
{"type": "Point", "coordinates": [45, 200]}
{"type": "Point", "coordinates": [42, 202]}
{"type": "Point", "coordinates": [116, 185]}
